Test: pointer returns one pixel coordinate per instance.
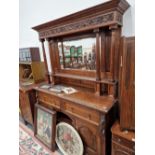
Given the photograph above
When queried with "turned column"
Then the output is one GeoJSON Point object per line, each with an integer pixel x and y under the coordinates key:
{"type": "Point", "coordinates": [98, 75]}
{"type": "Point", "coordinates": [45, 60]}
{"type": "Point", "coordinates": [98, 72]}
{"type": "Point", "coordinates": [63, 54]}
{"type": "Point", "coordinates": [51, 46]}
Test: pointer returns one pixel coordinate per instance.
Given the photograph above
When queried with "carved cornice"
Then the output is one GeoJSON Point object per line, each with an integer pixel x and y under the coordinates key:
{"type": "Point", "coordinates": [106, 14]}
{"type": "Point", "coordinates": [80, 25]}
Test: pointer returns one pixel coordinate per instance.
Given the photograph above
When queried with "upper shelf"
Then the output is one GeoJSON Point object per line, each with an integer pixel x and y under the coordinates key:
{"type": "Point", "coordinates": [84, 78]}
{"type": "Point", "coordinates": [105, 14]}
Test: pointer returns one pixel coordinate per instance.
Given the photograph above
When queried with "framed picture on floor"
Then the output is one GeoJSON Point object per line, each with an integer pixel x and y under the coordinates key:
{"type": "Point", "coordinates": [45, 126]}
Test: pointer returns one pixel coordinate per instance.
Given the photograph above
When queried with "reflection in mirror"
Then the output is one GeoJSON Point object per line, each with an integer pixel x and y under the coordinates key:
{"type": "Point", "coordinates": [78, 54]}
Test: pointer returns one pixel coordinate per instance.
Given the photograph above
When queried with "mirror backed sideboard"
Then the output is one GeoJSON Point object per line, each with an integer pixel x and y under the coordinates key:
{"type": "Point", "coordinates": [86, 50]}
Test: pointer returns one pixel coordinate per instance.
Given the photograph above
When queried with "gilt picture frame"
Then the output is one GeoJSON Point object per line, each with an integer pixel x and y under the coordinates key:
{"type": "Point", "coordinates": [45, 126]}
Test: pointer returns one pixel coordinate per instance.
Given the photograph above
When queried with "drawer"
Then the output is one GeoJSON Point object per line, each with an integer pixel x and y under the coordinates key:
{"type": "Point", "coordinates": [49, 99]}
{"type": "Point", "coordinates": [124, 142]}
{"type": "Point", "coordinates": [121, 150]}
{"type": "Point", "coordinates": [81, 112]}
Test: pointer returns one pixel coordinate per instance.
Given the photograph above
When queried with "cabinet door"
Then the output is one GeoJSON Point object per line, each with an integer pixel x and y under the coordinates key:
{"type": "Point", "coordinates": [127, 87]}
{"type": "Point", "coordinates": [25, 107]}
{"type": "Point", "coordinates": [88, 133]}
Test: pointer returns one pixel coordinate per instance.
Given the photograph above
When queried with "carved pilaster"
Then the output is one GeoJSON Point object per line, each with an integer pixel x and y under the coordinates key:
{"type": "Point", "coordinates": [98, 76]}
{"type": "Point", "coordinates": [63, 54]}
{"type": "Point", "coordinates": [102, 133]}
{"type": "Point", "coordinates": [115, 51]}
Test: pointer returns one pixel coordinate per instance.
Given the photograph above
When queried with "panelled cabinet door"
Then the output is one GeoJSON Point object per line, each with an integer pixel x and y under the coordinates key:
{"type": "Point", "coordinates": [88, 135]}
{"type": "Point", "coordinates": [127, 86]}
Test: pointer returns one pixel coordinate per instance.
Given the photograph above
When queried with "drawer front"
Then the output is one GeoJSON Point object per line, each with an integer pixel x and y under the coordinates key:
{"type": "Point", "coordinates": [124, 142]}
{"type": "Point", "coordinates": [82, 112]}
{"type": "Point", "coordinates": [49, 99]}
{"type": "Point", "coordinates": [121, 150]}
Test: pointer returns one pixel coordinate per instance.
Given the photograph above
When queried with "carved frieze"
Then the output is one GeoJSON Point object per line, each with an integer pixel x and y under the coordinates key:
{"type": "Point", "coordinates": [88, 23]}
{"type": "Point", "coordinates": [119, 18]}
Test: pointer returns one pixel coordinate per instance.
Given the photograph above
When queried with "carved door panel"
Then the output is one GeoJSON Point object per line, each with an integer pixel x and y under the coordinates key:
{"type": "Point", "coordinates": [88, 135]}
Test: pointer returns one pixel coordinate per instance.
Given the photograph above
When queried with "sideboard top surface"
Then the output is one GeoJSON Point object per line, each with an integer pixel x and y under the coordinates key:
{"type": "Point", "coordinates": [87, 99]}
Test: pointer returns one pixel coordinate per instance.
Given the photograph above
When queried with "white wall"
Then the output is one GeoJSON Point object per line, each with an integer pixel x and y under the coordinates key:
{"type": "Point", "coordinates": [129, 20]}
{"type": "Point", "coordinates": [35, 12]}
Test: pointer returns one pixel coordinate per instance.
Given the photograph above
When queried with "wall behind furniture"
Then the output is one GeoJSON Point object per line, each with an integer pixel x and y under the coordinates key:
{"type": "Point", "coordinates": [35, 12]}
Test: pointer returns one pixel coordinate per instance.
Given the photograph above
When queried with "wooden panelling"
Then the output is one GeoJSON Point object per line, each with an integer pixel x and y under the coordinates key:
{"type": "Point", "coordinates": [88, 133]}
{"type": "Point", "coordinates": [78, 82]}
{"type": "Point", "coordinates": [127, 87]}
{"type": "Point", "coordinates": [27, 101]}
{"type": "Point", "coordinates": [91, 108]}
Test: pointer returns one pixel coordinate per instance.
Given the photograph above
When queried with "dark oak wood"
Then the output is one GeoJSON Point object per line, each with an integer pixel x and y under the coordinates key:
{"type": "Point", "coordinates": [27, 99]}
{"type": "Point", "coordinates": [98, 76]}
{"type": "Point", "coordinates": [127, 84]}
{"type": "Point", "coordinates": [93, 116]}
{"type": "Point", "coordinates": [123, 142]}
{"type": "Point", "coordinates": [93, 108]}
{"type": "Point", "coordinates": [107, 20]}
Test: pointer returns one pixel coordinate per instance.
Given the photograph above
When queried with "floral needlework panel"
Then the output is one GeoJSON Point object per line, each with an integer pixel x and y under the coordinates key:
{"type": "Point", "coordinates": [68, 140]}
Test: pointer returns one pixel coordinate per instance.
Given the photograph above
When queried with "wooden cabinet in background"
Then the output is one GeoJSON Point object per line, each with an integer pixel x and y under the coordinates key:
{"type": "Point", "coordinates": [127, 84]}
{"type": "Point", "coordinates": [30, 54]}
{"type": "Point", "coordinates": [27, 99]}
{"type": "Point", "coordinates": [31, 72]}
{"type": "Point", "coordinates": [123, 142]}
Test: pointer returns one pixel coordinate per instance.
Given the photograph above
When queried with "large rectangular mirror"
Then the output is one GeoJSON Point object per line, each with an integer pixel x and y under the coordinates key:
{"type": "Point", "coordinates": [78, 54]}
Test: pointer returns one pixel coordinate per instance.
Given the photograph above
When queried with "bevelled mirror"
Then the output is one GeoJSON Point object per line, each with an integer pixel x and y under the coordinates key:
{"type": "Point", "coordinates": [78, 54]}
